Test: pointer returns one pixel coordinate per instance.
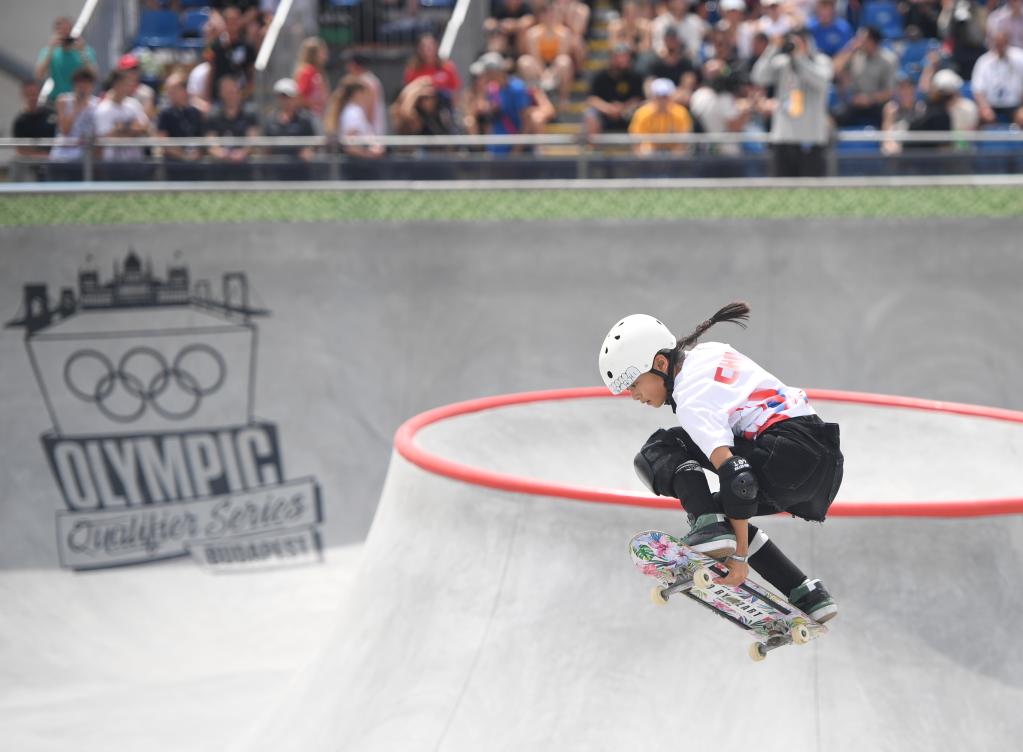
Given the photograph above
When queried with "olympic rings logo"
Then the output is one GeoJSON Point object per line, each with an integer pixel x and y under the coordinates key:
{"type": "Point", "coordinates": [142, 378]}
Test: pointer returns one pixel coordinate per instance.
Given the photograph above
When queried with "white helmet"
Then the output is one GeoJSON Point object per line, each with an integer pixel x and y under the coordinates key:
{"type": "Point", "coordinates": [629, 349]}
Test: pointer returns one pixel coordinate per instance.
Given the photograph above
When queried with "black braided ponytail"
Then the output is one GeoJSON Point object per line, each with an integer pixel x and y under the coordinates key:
{"type": "Point", "coordinates": [737, 313]}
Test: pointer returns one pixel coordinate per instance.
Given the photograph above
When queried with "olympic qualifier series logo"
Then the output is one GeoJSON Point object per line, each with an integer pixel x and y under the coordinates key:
{"type": "Point", "coordinates": [149, 386]}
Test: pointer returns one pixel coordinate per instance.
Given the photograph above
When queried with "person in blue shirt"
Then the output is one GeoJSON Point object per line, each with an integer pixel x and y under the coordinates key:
{"type": "Point", "coordinates": [500, 101]}
{"type": "Point", "coordinates": [830, 31]}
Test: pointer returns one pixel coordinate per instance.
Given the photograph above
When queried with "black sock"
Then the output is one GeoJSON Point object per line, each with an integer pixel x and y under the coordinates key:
{"type": "Point", "coordinates": [775, 567]}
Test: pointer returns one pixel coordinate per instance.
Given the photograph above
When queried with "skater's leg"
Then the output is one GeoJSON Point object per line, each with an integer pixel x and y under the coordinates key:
{"type": "Point", "coordinates": [773, 565]}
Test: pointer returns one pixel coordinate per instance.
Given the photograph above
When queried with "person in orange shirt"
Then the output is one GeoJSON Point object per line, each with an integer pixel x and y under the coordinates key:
{"type": "Point", "coordinates": [660, 116]}
{"type": "Point", "coordinates": [548, 60]}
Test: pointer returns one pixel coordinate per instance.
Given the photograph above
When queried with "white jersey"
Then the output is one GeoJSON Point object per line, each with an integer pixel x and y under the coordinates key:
{"type": "Point", "coordinates": [721, 394]}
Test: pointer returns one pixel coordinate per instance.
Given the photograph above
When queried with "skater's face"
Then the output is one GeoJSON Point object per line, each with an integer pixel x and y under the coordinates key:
{"type": "Point", "coordinates": [649, 387]}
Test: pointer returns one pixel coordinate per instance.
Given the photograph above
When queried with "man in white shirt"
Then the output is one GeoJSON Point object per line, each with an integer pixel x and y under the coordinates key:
{"type": "Point", "coordinates": [998, 82]}
{"type": "Point", "coordinates": [121, 116]}
{"type": "Point", "coordinates": [690, 27]}
{"type": "Point", "coordinates": [1008, 18]}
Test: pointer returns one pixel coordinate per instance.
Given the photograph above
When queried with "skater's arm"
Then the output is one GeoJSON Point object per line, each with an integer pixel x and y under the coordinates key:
{"type": "Point", "coordinates": [737, 570]}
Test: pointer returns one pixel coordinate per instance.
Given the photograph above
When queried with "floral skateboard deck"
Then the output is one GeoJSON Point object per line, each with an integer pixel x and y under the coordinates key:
{"type": "Point", "coordinates": [678, 569]}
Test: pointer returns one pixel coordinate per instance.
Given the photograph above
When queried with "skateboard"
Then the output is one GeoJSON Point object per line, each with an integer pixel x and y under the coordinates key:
{"type": "Point", "coordinates": [678, 569]}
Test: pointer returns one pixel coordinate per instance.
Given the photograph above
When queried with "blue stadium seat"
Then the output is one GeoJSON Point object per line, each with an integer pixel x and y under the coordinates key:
{"type": "Point", "coordinates": [967, 90]}
{"type": "Point", "coordinates": [1014, 145]}
{"type": "Point", "coordinates": [158, 28]}
{"type": "Point", "coordinates": [858, 147]}
{"type": "Point", "coordinates": [437, 3]}
{"type": "Point", "coordinates": [914, 55]}
{"type": "Point", "coordinates": [195, 3]}
{"type": "Point", "coordinates": [191, 29]}
{"type": "Point", "coordinates": [884, 15]}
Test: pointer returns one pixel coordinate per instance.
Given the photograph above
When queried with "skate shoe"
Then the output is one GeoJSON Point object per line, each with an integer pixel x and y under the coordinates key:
{"type": "Point", "coordinates": [812, 599]}
{"type": "Point", "coordinates": [711, 535]}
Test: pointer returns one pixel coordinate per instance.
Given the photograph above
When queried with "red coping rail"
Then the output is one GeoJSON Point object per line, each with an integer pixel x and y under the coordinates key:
{"type": "Point", "coordinates": [405, 443]}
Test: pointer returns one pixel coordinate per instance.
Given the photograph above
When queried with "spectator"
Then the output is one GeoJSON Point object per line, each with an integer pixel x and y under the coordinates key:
{"type": "Point", "coordinates": [289, 120]}
{"type": "Point", "coordinates": [62, 57]}
{"type": "Point", "coordinates": [311, 75]}
{"type": "Point", "coordinates": [548, 59]}
{"type": "Point", "coordinates": [512, 19]}
{"type": "Point", "coordinates": [231, 118]}
{"type": "Point", "coordinates": [199, 87]}
{"type": "Point", "coordinates": [733, 22]}
{"type": "Point", "coordinates": [119, 115]}
{"type": "Point", "coordinates": [961, 23]}
{"type": "Point", "coordinates": [356, 64]}
{"type": "Point", "coordinates": [868, 71]}
{"type": "Point", "coordinates": [631, 28]}
{"type": "Point", "coordinates": [231, 53]}
{"type": "Point", "coordinates": [899, 112]}
{"type": "Point", "coordinates": [615, 94]}
{"type": "Point", "coordinates": [420, 111]}
{"type": "Point", "coordinates": [348, 117]}
{"type": "Point", "coordinates": [831, 32]}
{"type": "Point", "coordinates": [717, 106]}
{"type": "Point", "coordinates": [673, 64]}
{"type": "Point", "coordinates": [775, 22]}
{"type": "Point", "coordinates": [920, 17]}
{"type": "Point", "coordinates": [690, 28]}
{"type": "Point", "coordinates": [425, 62]}
{"type": "Point", "coordinates": [1008, 18]}
{"type": "Point", "coordinates": [501, 104]}
{"type": "Point", "coordinates": [940, 113]}
{"type": "Point", "coordinates": [576, 16]}
{"type": "Point", "coordinates": [140, 91]}
{"type": "Point", "coordinates": [998, 82]}
{"type": "Point", "coordinates": [35, 121]}
{"type": "Point", "coordinates": [179, 119]}
{"type": "Point", "coordinates": [660, 116]}
{"type": "Point", "coordinates": [76, 116]}
{"type": "Point", "coordinates": [963, 112]}
{"type": "Point", "coordinates": [799, 128]}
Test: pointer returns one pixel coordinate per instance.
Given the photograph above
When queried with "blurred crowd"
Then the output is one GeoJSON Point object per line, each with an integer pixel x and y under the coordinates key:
{"type": "Point", "coordinates": [797, 69]}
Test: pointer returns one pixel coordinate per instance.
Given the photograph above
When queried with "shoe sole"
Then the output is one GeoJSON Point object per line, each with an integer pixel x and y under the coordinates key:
{"type": "Point", "coordinates": [824, 614]}
{"type": "Point", "coordinates": [715, 549]}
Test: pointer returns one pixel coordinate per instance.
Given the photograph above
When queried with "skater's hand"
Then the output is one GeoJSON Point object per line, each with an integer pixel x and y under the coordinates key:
{"type": "Point", "coordinates": [737, 573]}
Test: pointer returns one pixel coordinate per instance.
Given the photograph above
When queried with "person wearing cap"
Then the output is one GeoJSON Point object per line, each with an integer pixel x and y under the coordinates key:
{"type": "Point", "coordinates": [289, 120]}
{"type": "Point", "coordinates": [830, 31]}
{"type": "Point", "coordinates": [719, 105]}
{"type": "Point", "coordinates": [660, 116]}
{"type": "Point", "coordinates": [615, 94]}
{"type": "Point", "coordinates": [867, 71]}
{"type": "Point", "coordinates": [65, 54]}
{"type": "Point", "coordinates": [144, 93]}
{"type": "Point", "coordinates": [501, 104]}
{"type": "Point", "coordinates": [998, 82]}
{"type": "Point", "coordinates": [690, 27]}
{"type": "Point", "coordinates": [799, 128]}
{"type": "Point", "coordinates": [357, 64]}
{"type": "Point", "coordinates": [940, 112]}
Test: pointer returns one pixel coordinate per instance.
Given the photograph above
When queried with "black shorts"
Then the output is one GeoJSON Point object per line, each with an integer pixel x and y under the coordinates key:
{"type": "Point", "coordinates": [798, 464]}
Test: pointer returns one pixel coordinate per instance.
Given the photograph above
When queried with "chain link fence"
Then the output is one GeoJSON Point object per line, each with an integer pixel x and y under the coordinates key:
{"type": "Point", "coordinates": [133, 203]}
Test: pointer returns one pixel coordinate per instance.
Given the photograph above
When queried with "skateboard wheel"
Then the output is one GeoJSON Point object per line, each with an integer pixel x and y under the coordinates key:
{"type": "Point", "coordinates": [703, 578]}
{"type": "Point", "coordinates": [800, 634]}
{"type": "Point", "coordinates": [657, 596]}
{"type": "Point", "coordinates": [757, 652]}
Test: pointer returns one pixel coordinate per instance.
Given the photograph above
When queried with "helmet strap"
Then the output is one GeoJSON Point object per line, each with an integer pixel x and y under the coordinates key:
{"type": "Point", "coordinates": [668, 376]}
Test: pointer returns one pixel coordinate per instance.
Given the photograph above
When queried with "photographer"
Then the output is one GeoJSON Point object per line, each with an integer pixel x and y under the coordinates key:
{"type": "Point", "coordinates": [799, 127]}
{"type": "Point", "coordinates": [62, 57]}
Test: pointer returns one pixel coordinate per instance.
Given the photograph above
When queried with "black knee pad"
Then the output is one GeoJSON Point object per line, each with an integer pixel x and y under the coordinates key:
{"type": "Point", "coordinates": [691, 488]}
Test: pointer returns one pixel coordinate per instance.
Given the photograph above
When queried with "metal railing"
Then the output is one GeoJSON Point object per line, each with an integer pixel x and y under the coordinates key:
{"type": "Point", "coordinates": [330, 153]}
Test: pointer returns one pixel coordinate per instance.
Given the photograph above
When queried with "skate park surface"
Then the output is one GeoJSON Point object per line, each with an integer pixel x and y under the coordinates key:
{"type": "Point", "coordinates": [473, 617]}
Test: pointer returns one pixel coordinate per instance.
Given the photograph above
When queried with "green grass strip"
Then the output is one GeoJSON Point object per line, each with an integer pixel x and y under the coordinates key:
{"type": "Point", "coordinates": [197, 207]}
